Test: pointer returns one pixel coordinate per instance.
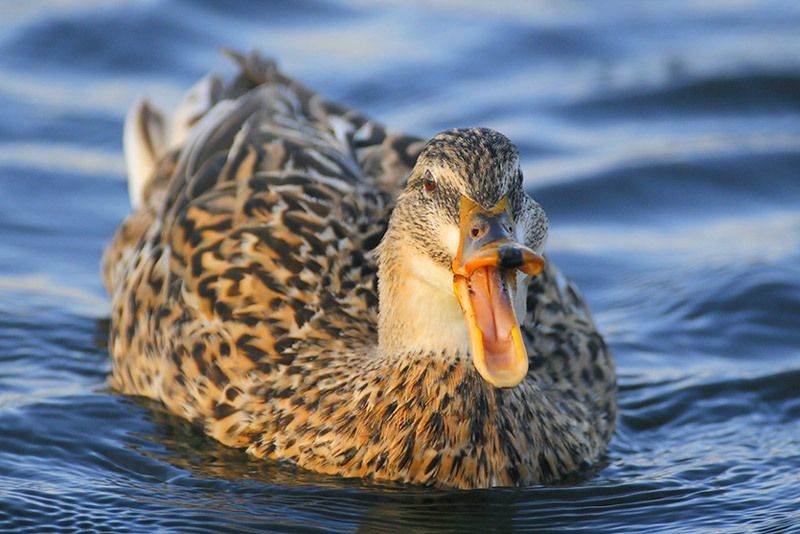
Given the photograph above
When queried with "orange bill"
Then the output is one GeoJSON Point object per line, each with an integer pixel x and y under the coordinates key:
{"type": "Point", "coordinates": [485, 281]}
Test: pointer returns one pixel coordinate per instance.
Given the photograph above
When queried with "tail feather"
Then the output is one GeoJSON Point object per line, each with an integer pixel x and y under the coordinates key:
{"type": "Point", "coordinates": [144, 143]}
{"type": "Point", "coordinates": [197, 101]}
{"type": "Point", "coordinates": [149, 134]}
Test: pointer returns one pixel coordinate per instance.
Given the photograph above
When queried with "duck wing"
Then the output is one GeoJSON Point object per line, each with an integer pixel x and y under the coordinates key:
{"type": "Point", "coordinates": [256, 212]}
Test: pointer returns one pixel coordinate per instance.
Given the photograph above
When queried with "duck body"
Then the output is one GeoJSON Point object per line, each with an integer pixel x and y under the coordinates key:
{"type": "Point", "coordinates": [245, 297]}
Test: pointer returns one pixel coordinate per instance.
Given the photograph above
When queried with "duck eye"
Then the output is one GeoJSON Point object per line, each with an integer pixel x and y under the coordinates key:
{"type": "Point", "coordinates": [428, 182]}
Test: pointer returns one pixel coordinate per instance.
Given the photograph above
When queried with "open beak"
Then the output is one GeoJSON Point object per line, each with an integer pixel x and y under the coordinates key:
{"type": "Point", "coordinates": [485, 280]}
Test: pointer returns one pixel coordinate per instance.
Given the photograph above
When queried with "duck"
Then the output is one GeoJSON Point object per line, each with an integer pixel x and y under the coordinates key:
{"type": "Point", "coordinates": [309, 287]}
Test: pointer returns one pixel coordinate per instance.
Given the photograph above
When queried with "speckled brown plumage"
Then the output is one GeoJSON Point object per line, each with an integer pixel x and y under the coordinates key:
{"type": "Point", "coordinates": [244, 297]}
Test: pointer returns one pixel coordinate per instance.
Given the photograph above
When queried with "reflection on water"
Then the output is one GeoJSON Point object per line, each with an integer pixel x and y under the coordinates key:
{"type": "Point", "coordinates": [663, 139]}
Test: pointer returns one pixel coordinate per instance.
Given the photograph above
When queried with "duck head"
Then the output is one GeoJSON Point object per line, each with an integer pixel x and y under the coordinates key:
{"type": "Point", "coordinates": [462, 243]}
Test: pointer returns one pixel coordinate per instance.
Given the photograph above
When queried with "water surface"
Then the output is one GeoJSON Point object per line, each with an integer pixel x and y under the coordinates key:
{"type": "Point", "coordinates": [663, 139]}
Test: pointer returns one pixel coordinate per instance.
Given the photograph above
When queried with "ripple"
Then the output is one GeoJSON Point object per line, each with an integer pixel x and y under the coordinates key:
{"type": "Point", "coordinates": [770, 397]}
{"type": "Point", "coordinates": [700, 187]}
{"type": "Point", "coordinates": [83, 38]}
{"type": "Point", "coordinates": [61, 158]}
{"type": "Point", "coordinates": [722, 94]}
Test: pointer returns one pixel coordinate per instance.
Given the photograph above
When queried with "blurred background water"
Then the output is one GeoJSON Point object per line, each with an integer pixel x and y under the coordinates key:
{"type": "Point", "coordinates": [663, 139]}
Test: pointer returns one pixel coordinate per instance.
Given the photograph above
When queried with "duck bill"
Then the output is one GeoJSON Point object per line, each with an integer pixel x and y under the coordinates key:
{"type": "Point", "coordinates": [485, 281]}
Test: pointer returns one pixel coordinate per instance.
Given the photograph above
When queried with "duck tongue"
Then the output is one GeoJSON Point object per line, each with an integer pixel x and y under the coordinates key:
{"type": "Point", "coordinates": [494, 316]}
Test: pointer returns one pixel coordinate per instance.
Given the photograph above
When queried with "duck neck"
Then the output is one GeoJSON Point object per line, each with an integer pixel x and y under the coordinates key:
{"type": "Point", "coordinates": [418, 311]}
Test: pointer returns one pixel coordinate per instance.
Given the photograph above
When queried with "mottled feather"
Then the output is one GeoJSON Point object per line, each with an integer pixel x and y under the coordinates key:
{"type": "Point", "coordinates": [244, 297]}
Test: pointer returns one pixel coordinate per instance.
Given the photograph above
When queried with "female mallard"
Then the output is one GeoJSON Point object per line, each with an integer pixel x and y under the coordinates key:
{"type": "Point", "coordinates": [304, 285]}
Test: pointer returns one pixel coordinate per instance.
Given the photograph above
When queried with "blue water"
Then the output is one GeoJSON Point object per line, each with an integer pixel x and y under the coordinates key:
{"type": "Point", "coordinates": [663, 139]}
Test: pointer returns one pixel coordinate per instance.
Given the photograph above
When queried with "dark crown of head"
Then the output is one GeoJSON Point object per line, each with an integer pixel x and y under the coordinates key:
{"type": "Point", "coordinates": [487, 161]}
